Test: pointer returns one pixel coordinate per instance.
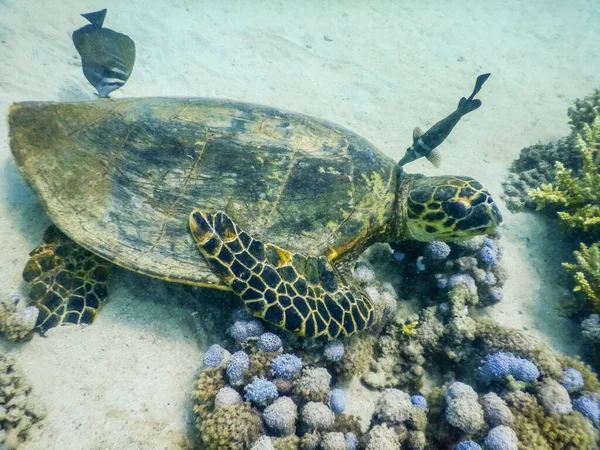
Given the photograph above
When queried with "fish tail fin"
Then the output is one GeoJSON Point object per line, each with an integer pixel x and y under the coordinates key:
{"type": "Point", "coordinates": [96, 18]}
{"type": "Point", "coordinates": [466, 105]}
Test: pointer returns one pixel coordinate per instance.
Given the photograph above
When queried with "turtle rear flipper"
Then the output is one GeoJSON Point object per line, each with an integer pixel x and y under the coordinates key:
{"type": "Point", "coordinates": [298, 293]}
{"type": "Point", "coordinates": [67, 283]}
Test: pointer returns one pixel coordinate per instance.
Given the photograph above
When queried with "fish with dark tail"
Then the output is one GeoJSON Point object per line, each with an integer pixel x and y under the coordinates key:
{"type": "Point", "coordinates": [107, 56]}
{"type": "Point", "coordinates": [424, 144]}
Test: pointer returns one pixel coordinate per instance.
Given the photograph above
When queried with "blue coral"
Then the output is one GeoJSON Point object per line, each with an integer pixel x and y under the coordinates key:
{"type": "Point", "coordinates": [334, 351]}
{"type": "Point", "coordinates": [244, 329]}
{"type": "Point", "coordinates": [213, 357]}
{"type": "Point", "coordinates": [499, 365]}
{"type": "Point", "coordinates": [237, 366]}
{"type": "Point", "coordinates": [468, 445]}
{"type": "Point", "coordinates": [488, 256]}
{"type": "Point", "coordinates": [399, 256]}
{"type": "Point", "coordinates": [496, 295]}
{"type": "Point", "coordinates": [351, 440]}
{"type": "Point", "coordinates": [269, 342]}
{"type": "Point", "coordinates": [572, 380]}
{"type": "Point", "coordinates": [419, 401]}
{"type": "Point", "coordinates": [441, 281]}
{"type": "Point", "coordinates": [462, 279]}
{"type": "Point", "coordinates": [286, 366]}
{"type": "Point", "coordinates": [261, 391]}
{"type": "Point", "coordinates": [589, 406]}
{"type": "Point", "coordinates": [337, 401]}
{"type": "Point", "coordinates": [437, 251]}
{"type": "Point", "coordinates": [487, 242]}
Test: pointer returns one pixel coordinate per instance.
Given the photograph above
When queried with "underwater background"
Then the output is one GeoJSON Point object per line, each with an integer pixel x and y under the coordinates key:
{"type": "Point", "coordinates": [379, 69]}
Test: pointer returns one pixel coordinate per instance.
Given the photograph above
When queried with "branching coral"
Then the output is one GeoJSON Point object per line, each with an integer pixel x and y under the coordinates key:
{"type": "Point", "coordinates": [586, 273]}
{"type": "Point", "coordinates": [577, 197]}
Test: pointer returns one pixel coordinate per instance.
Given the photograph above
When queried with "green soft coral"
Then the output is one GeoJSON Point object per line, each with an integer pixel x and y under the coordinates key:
{"type": "Point", "coordinates": [586, 273]}
{"type": "Point", "coordinates": [577, 197]}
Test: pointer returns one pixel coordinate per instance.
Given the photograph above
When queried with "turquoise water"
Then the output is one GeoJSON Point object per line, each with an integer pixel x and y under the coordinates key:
{"type": "Point", "coordinates": [140, 376]}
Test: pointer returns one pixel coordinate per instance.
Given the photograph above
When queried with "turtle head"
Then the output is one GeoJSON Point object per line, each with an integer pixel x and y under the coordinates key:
{"type": "Point", "coordinates": [448, 208]}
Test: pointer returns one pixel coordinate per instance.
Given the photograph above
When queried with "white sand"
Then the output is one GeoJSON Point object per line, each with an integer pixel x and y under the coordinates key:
{"type": "Point", "coordinates": [384, 68]}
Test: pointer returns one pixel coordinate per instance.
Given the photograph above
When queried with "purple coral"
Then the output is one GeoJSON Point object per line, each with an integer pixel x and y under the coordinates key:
{"type": "Point", "coordinates": [337, 401]}
{"type": "Point", "coordinates": [419, 401]}
{"type": "Point", "coordinates": [572, 380]}
{"type": "Point", "coordinates": [496, 295]}
{"type": "Point", "coordinates": [286, 366]}
{"type": "Point", "coordinates": [269, 342]}
{"type": "Point", "coordinates": [588, 405]}
{"type": "Point", "coordinates": [351, 440]}
{"type": "Point", "coordinates": [237, 366]}
{"type": "Point", "coordinates": [488, 256]}
{"type": "Point", "coordinates": [260, 391]}
{"type": "Point", "coordinates": [499, 365]}
{"type": "Point", "coordinates": [243, 329]}
{"type": "Point", "coordinates": [213, 357]}
{"type": "Point", "coordinates": [462, 279]}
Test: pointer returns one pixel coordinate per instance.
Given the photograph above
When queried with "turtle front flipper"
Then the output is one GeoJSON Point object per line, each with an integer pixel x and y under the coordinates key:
{"type": "Point", "coordinates": [67, 283]}
{"type": "Point", "coordinates": [298, 293]}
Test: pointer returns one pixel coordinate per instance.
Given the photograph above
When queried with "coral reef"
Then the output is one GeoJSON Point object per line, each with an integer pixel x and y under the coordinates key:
{"type": "Point", "coordinates": [536, 165]}
{"type": "Point", "coordinates": [281, 416]}
{"type": "Point", "coordinates": [337, 400]}
{"type": "Point", "coordinates": [214, 357]}
{"type": "Point", "coordinates": [496, 411]}
{"type": "Point", "coordinates": [576, 197]}
{"type": "Point", "coordinates": [554, 397]}
{"type": "Point", "coordinates": [263, 397]}
{"type": "Point", "coordinates": [501, 438]}
{"type": "Point", "coordinates": [17, 320]}
{"type": "Point", "coordinates": [261, 391]}
{"type": "Point", "coordinates": [463, 411]}
{"type": "Point", "coordinates": [586, 273]}
{"type": "Point", "coordinates": [572, 380]}
{"type": "Point", "coordinates": [591, 328]}
{"type": "Point", "coordinates": [237, 367]}
{"type": "Point", "coordinates": [538, 430]}
{"type": "Point", "coordinates": [500, 365]}
{"type": "Point", "coordinates": [18, 412]}
{"type": "Point", "coordinates": [286, 366]}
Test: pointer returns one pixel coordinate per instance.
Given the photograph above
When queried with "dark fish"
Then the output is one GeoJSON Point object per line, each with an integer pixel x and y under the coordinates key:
{"type": "Point", "coordinates": [107, 57]}
{"type": "Point", "coordinates": [425, 144]}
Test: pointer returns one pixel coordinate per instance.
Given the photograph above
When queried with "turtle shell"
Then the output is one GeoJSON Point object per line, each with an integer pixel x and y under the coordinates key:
{"type": "Point", "coordinates": [120, 177]}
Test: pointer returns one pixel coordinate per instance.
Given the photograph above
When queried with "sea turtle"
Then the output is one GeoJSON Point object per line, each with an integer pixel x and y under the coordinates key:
{"type": "Point", "coordinates": [280, 205]}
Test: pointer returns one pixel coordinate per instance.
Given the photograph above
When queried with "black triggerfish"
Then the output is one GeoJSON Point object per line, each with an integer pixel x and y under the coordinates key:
{"type": "Point", "coordinates": [424, 144]}
{"type": "Point", "coordinates": [107, 57]}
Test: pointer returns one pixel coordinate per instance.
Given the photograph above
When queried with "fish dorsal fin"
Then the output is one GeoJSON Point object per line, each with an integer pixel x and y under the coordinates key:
{"type": "Point", "coordinates": [417, 133]}
{"type": "Point", "coordinates": [96, 18]}
{"type": "Point", "coordinates": [435, 158]}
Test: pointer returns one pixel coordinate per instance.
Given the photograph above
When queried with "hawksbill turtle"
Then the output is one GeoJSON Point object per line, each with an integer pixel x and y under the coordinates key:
{"type": "Point", "coordinates": [280, 205]}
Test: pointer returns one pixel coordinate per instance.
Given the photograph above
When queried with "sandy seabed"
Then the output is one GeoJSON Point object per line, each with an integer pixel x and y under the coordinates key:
{"type": "Point", "coordinates": [379, 68]}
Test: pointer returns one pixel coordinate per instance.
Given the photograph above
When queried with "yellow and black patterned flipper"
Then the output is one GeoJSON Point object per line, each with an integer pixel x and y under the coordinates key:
{"type": "Point", "coordinates": [298, 293]}
{"type": "Point", "coordinates": [67, 283]}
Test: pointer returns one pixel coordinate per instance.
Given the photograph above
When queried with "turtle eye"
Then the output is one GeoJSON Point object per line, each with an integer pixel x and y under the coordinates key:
{"type": "Point", "coordinates": [456, 209]}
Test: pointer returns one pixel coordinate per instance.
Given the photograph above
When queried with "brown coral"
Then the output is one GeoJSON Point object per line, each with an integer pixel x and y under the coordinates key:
{"type": "Point", "coordinates": [233, 427]}
{"type": "Point", "coordinates": [207, 386]}
{"type": "Point", "coordinates": [538, 430]}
